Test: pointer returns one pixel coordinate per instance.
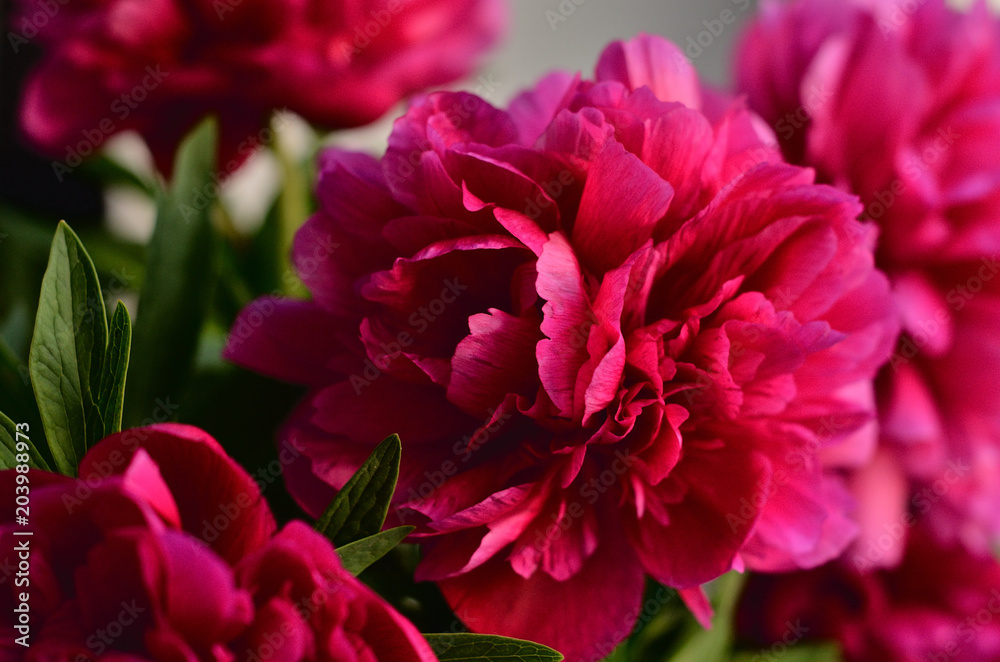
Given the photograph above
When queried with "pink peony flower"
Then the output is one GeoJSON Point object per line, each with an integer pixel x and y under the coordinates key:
{"type": "Point", "coordinates": [159, 67]}
{"type": "Point", "coordinates": [616, 335]}
{"type": "Point", "coordinates": [310, 608]}
{"type": "Point", "coordinates": [899, 102]}
{"type": "Point", "coordinates": [156, 553]}
{"type": "Point", "coordinates": [940, 603]}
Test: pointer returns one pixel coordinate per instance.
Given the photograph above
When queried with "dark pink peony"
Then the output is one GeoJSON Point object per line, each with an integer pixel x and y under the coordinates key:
{"type": "Point", "coordinates": [617, 336]}
{"type": "Point", "coordinates": [899, 102]}
{"type": "Point", "coordinates": [310, 608]}
{"type": "Point", "coordinates": [159, 66]}
{"type": "Point", "coordinates": [940, 603]}
{"type": "Point", "coordinates": [156, 553]}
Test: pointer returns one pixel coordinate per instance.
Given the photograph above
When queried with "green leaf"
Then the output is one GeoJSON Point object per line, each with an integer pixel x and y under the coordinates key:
{"type": "Point", "coordinates": [793, 653]}
{"type": "Point", "coordinates": [67, 351]}
{"type": "Point", "coordinates": [714, 645]}
{"type": "Point", "coordinates": [470, 647]}
{"type": "Point", "coordinates": [9, 436]}
{"type": "Point", "coordinates": [175, 295]}
{"type": "Point", "coordinates": [112, 398]}
{"type": "Point", "coordinates": [663, 620]}
{"type": "Point", "coordinates": [619, 654]}
{"type": "Point", "coordinates": [108, 171]}
{"type": "Point", "coordinates": [360, 554]}
{"type": "Point", "coordinates": [16, 394]}
{"type": "Point", "coordinates": [359, 509]}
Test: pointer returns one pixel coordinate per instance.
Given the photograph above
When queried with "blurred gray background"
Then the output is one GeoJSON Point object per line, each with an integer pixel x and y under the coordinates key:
{"type": "Point", "coordinates": [570, 34]}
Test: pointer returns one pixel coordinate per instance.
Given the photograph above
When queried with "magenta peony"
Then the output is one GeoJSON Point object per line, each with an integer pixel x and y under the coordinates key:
{"type": "Point", "coordinates": [158, 67]}
{"type": "Point", "coordinates": [310, 608]}
{"type": "Point", "coordinates": [617, 336]}
{"type": "Point", "coordinates": [899, 102]}
{"type": "Point", "coordinates": [163, 550]}
{"type": "Point", "coordinates": [941, 603]}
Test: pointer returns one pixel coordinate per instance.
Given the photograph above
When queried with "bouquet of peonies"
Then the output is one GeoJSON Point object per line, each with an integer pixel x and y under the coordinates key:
{"type": "Point", "coordinates": [630, 367]}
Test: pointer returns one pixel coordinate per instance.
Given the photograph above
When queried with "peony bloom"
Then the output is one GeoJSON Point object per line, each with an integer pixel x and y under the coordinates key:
{"type": "Point", "coordinates": [940, 603]}
{"type": "Point", "coordinates": [616, 335]}
{"type": "Point", "coordinates": [899, 102]}
{"type": "Point", "coordinates": [310, 608]}
{"type": "Point", "coordinates": [158, 67]}
{"type": "Point", "coordinates": [157, 553]}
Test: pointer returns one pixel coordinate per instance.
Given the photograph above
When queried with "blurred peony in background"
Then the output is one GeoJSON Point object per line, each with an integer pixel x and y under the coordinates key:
{"type": "Point", "coordinates": [539, 37]}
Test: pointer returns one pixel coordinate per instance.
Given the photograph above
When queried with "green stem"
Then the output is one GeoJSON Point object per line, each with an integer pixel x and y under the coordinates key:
{"type": "Point", "coordinates": [293, 206]}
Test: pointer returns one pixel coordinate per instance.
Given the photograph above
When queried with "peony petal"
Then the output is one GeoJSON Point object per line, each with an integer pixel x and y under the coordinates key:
{"type": "Point", "coordinates": [497, 358]}
{"type": "Point", "coordinates": [707, 530]}
{"type": "Point", "coordinates": [215, 497]}
{"type": "Point", "coordinates": [533, 109]}
{"type": "Point", "coordinates": [698, 603]}
{"type": "Point", "coordinates": [142, 480]}
{"type": "Point", "coordinates": [654, 62]}
{"type": "Point", "coordinates": [803, 524]}
{"type": "Point", "coordinates": [200, 601]}
{"type": "Point", "coordinates": [280, 338]}
{"type": "Point", "coordinates": [566, 323]}
{"type": "Point", "coordinates": [494, 600]}
{"type": "Point", "coordinates": [623, 200]}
